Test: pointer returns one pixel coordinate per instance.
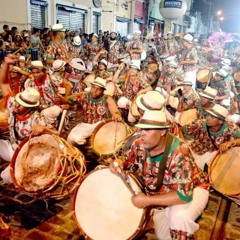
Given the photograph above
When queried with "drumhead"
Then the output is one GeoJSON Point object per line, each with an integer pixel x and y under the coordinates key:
{"type": "Point", "coordinates": [204, 75]}
{"type": "Point", "coordinates": [108, 137]}
{"type": "Point", "coordinates": [224, 172]}
{"type": "Point", "coordinates": [187, 117]}
{"type": "Point", "coordinates": [36, 163]}
{"type": "Point", "coordinates": [103, 207]}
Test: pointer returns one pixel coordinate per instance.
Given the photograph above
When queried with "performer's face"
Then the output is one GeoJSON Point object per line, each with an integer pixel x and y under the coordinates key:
{"type": "Point", "coordinates": [205, 101]}
{"type": "Point", "coordinates": [96, 92]}
{"type": "Point", "coordinates": [170, 69]}
{"type": "Point", "coordinates": [151, 137]}
{"type": "Point", "coordinates": [20, 110]}
{"type": "Point", "coordinates": [213, 121]}
{"type": "Point", "coordinates": [37, 74]}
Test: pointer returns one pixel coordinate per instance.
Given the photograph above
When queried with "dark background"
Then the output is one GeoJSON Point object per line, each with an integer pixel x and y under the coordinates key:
{"type": "Point", "coordinates": [230, 9]}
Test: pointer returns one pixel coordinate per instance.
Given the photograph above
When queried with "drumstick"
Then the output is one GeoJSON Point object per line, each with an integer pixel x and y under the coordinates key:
{"type": "Point", "coordinates": [124, 178]}
{"type": "Point", "coordinates": [64, 113]}
{"type": "Point", "coordinates": [17, 51]}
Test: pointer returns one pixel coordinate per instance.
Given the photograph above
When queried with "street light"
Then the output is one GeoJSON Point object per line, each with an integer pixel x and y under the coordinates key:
{"type": "Point", "coordinates": [221, 18]}
{"type": "Point", "coordinates": [219, 12]}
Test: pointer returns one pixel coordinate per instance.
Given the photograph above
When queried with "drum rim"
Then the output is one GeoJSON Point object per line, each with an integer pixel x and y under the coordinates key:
{"type": "Point", "coordinates": [146, 211]}
{"type": "Point", "coordinates": [210, 177]}
{"type": "Point", "coordinates": [95, 132]}
{"type": "Point", "coordinates": [12, 168]}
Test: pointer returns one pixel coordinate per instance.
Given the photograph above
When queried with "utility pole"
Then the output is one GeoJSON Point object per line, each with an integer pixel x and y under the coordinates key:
{"type": "Point", "coordinates": [146, 17]}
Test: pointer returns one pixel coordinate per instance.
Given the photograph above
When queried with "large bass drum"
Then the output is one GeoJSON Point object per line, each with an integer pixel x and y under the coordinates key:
{"type": "Point", "coordinates": [103, 207]}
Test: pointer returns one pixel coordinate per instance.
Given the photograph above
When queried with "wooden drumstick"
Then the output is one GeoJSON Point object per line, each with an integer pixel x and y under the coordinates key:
{"type": "Point", "coordinates": [124, 178]}
{"type": "Point", "coordinates": [64, 113]}
{"type": "Point", "coordinates": [17, 51]}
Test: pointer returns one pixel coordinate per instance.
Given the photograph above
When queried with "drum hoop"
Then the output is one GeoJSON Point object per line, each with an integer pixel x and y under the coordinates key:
{"type": "Point", "coordinates": [210, 169]}
{"type": "Point", "coordinates": [95, 132]}
{"type": "Point", "coordinates": [146, 212]}
{"type": "Point", "coordinates": [131, 108]}
{"type": "Point", "coordinates": [12, 169]}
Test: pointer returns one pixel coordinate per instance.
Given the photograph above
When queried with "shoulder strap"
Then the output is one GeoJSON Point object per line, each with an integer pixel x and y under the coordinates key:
{"type": "Point", "coordinates": [163, 163]}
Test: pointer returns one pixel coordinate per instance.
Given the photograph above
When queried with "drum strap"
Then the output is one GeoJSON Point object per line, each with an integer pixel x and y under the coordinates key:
{"type": "Point", "coordinates": [162, 165]}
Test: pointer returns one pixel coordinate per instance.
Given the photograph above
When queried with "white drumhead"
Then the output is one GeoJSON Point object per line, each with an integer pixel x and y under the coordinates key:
{"type": "Point", "coordinates": [103, 207]}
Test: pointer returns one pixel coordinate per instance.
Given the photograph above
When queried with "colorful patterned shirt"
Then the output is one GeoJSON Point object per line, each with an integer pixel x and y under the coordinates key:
{"type": "Point", "coordinates": [92, 110]}
{"type": "Point", "coordinates": [181, 174]}
{"type": "Point", "coordinates": [189, 55]}
{"type": "Point", "coordinates": [21, 127]}
{"type": "Point", "coordinates": [197, 131]}
{"type": "Point", "coordinates": [115, 49]}
{"type": "Point", "coordinates": [134, 46]}
{"type": "Point", "coordinates": [57, 51]}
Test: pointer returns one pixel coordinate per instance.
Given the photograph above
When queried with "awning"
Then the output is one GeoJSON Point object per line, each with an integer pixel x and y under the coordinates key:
{"type": "Point", "coordinates": [38, 2]}
{"type": "Point", "coordinates": [139, 20]}
{"type": "Point", "coordinates": [120, 19]}
{"type": "Point", "coordinates": [70, 9]}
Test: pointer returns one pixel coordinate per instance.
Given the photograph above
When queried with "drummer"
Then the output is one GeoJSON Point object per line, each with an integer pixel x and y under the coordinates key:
{"type": "Point", "coordinates": [179, 193]}
{"type": "Point", "coordinates": [171, 44]}
{"type": "Point", "coordinates": [206, 101]}
{"type": "Point", "coordinates": [95, 107]}
{"type": "Point", "coordinates": [24, 118]}
{"type": "Point", "coordinates": [207, 135]}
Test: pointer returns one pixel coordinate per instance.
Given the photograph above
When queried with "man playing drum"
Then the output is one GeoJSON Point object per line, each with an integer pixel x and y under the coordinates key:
{"type": "Point", "coordinates": [96, 106]}
{"type": "Point", "coordinates": [178, 192]}
{"type": "Point", "coordinates": [171, 44]}
{"type": "Point", "coordinates": [207, 135]}
{"type": "Point", "coordinates": [24, 118]}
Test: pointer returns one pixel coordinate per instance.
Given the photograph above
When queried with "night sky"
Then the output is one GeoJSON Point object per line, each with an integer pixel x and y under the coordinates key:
{"type": "Point", "coordinates": [230, 9]}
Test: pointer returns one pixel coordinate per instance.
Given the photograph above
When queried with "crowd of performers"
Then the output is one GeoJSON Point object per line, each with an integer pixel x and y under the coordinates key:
{"type": "Point", "coordinates": [182, 108]}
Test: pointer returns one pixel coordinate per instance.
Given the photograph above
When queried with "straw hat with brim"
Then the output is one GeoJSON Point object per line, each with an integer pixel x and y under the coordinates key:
{"type": "Point", "coordinates": [77, 66]}
{"type": "Point", "coordinates": [218, 111]}
{"type": "Point", "coordinates": [188, 38]}
{"type": "Point", "coordinates": [153, 119]}
{"type": "Point", "coordinates": [151, 100]}
{"type": "Point", "coordinates": [209, 93]}
{"type": "Point", "coordinates": [171, 33]}
{"type": "Point", "coordinates": [22, 59]}
{"type": "Point", "coordinates": [185, 82]}
{"type": "Point", "coordinates": [36, 65]}
{"type": "Point", "coordinates": [222, 72]}
{"type": "Point", "coordinates": [135, 64]}
{"type": "Point", "coordinates": [104, 62]}
{"type": "Point", "coordinates": [100, 82]}
{"type": "Point", "coordinates": [77, 41]}
{"type": "Point", "coordinates": [173, 102]}
{"type": "Point", "coordinates": [172, 64]}
{"type": "Point", "coordinates": [226, 61]}
{"type": "Point", "coordinates": [58, 28]}
{"type": "Point", "coordinates": [28, 98]}
{"type": "Point", "coordinates": [58, 65]}
{"type": "Point", "coordinates": [137, 32]}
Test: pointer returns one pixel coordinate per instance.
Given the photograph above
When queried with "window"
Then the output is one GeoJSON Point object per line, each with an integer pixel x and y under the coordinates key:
{"type": "Point", "coordinates": [38, 13]}
{"type": "Point", "coordinates": [95, 22]}
{"type": "Point", "coordinates": [71, 18]}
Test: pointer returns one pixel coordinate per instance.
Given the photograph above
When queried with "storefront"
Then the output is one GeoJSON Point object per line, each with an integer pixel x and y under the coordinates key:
{"type": "Point", "coordinates": [38, 11]}
{"type": "Point", "coordinates": [122, 26]}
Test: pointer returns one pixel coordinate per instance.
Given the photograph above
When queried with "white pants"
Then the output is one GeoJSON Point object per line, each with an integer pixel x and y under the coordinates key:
{"type": "Point", "coordinates": [81, 132]}
{"type": "Point", "coordinates": [180, 217]}
{"type": "Point", "coordinates": [6, 153]}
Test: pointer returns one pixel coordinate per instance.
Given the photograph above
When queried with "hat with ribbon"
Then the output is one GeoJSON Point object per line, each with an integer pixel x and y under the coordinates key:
{"type": "Point", "coordinates": [209, 93]}
{"type": "Point", "coordinates": [77, 41]}
{"type": "Point", "coordinates": [100, 82]}
{"type": "Point", "coordinates": [218, 111]}
{"type": "Point", "coordinates": [57, 65]}
{"type": "Point", "coordinates": [28, 98]}
{"type": "Point", "coordinates": [57, 28]}
{"type": "Point", "coordinates": [151, 100]}
{"type": "Point", "coordinates": [152, 119]}
{"type": "Point", "coordinates": [36, 65]}
{"type": "Point", "coordinates": [188, 38]}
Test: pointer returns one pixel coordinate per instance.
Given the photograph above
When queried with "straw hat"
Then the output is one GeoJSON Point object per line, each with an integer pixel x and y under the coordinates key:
{"type": "Point", "coordinates": [28, 98]}
{"type": "Point", "coordinates": [22, 59]}
{"type": "Point", "coordinates": [188, 38]}
{"type": "Point", "coordinates": [222, 72]}
{"type": "Point", "coordinates": [226, 61]}
{"type": "Point", "coordinates": [135, 64]}
{"type": "Point", "coordinates": [57, 65]}
{"type": "Point", "coordinates": [104, 62]}
{"type": "Point", "coordinates": [58, 28]}
{"type": "Point", "coordinates": [172, 64]}
{"type": "Point", "coordinates": [100, 82]}
{"type": "Point", "coordinates": [77, 41]}
{"type": "Point", "coordinates": [36, 65]}
{"type": "Point", "coordinates": [153, 119]}
{"type": "Point", "coordinates": [186, 82]}
{"type": "Point", "coordinates": [138, 32]}
{"type": "Point", "coordinates": [151, 100]}
{"type": "Point", "coordinates": [170, 32]}
{"type": "Point", "coordinates": [209, 93]}
{"type": "Point", "coordinates": [219, 112]}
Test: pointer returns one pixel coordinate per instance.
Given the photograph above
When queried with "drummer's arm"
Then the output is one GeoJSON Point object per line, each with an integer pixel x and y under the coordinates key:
{"type": "Point", "coordinates": [9, 59]}
{"type": "Point", "coordinates": [226, 96]}
{"type": "Point", "coordinates": [227, 145]}
{"type": "Point", "coordinates": [40, 129]}
{"type": "Point", "coordinates": [117, 73]}
{"type": "Point", "coordinates": [113, 109]}
{"type": "Point", "coordinates": [142, 91]}
{"type": "Point", "coordinates": [139, 50]}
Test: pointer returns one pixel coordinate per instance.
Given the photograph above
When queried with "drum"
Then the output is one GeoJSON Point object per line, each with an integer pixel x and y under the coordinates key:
{"type": "Point", "coordinates": [47, 166]}
{"type": "Point", "coordinates": [89, 79]}
{"type": "Point", "coordinates": [187, 117]}
{"type": "Point", "coordinates": [134, 109]}
{"type": "Point", "coordinates": [203, 78]}
{"type": "Point", "coordinates": [109, 137]}
{"type": "Point", "coordinates": [224, 174]}
{"type": "Point", "coordinates": [236, 76]}
{"type": "Point", "coordinates": [110, 89]}
{"type": "Point", "coordinates": [107, 213]}
{"type": "Point", "coordinates": [4, 131]}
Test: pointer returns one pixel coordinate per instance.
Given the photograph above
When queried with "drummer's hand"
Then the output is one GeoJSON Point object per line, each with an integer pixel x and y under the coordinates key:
{"type": "Point", "coordinates": [38, 130]}
{"type": "Point", "coordinates": [117, 117]}
{"type": "Point", "coordinates": [121, 66]}
{"type": "Point", "coordinates": [11, 59]}
{"type": "Point", "coordinates": [140, 200]}
{"type": "Point", "coordinates": [115, 164]}
{"type": "Point", "coordinates": [225, 146]}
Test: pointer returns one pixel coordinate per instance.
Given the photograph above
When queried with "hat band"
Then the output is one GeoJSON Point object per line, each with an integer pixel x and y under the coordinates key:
{"type": "Point", "coordinates": [99, 84]}
{"type": "Point", "coordinates": [156, 123]}
{"type": "Point", "coordinates": [218, 114]}
{"type": "Point", "coordinates": [56, 69]}
{"type": "Point", "coordinates": [147, 105]}
{"type": "Point", "coordinates": [209, 94]}
{"type": "Point", "coordinates": [27, 101]}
